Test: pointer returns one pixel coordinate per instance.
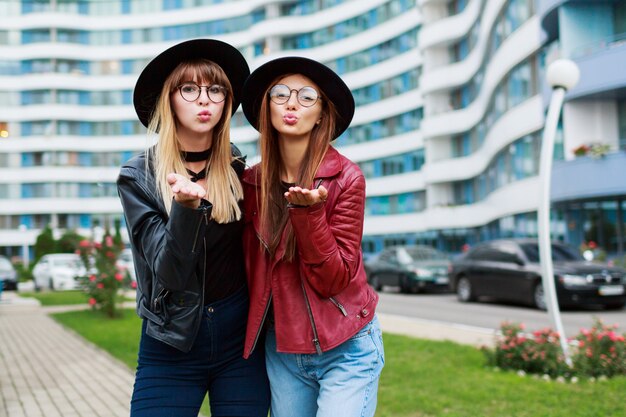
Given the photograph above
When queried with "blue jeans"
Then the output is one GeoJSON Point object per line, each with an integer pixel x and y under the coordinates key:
{"type": "Point", "coordinates": [340, 382]}
{"type": "Point", "coordinates": [173, 383]}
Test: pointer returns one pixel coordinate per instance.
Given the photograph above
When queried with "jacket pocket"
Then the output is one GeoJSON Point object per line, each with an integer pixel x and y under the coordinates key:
{"type": "Point", "coordinates": [338, 305]}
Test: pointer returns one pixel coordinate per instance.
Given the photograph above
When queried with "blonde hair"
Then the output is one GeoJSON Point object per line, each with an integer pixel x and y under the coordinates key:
{"type": "Point", "coordinates": [273, 206]}
{"type": "Point", "coordinates": [222, 184]}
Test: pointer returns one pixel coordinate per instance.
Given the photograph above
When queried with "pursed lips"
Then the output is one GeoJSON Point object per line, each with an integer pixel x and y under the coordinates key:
{"type": "Point", "coordinates": [204, 115]}
{"type": "Point", "coordinates": [290, 119]}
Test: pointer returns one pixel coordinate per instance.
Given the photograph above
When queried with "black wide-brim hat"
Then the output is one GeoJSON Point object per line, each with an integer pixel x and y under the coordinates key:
{"type": "Point", "coordinates": [328, 81]}
{"type": "Point", "coordinates": [150, 82]}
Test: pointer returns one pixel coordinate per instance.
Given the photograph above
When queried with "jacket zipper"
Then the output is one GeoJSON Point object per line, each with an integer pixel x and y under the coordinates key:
{"type": "Point", "coordinates": [339, 306]}
{"type": "Point", "coordinates": [316, 340]}
{"type": "Point", "coordinates": [258, 332]}
{"type": "Point", "coordinates": [206, 220]}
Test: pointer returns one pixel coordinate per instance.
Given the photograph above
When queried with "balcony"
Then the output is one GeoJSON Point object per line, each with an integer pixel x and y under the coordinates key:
{"type": "Point", "coordinates": [589, 178]}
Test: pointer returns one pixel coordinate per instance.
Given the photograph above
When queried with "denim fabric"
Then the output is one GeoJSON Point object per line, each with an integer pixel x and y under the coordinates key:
{"type": "Point", "coordinates": [340, 382]}
{"type": "Point", "coordinates": [169, 382]}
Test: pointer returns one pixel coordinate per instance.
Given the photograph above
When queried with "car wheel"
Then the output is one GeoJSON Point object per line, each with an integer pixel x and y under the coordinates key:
{"type": "Point", "coordinates": [539, 297]}
{"type": "Point", "coordinates": [375, 283]}
{"type": "Point", "coordinates": [464, 290]}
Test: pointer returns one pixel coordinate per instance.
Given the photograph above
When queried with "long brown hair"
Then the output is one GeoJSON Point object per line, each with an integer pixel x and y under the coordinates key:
{"type": "Point", "coordinates": [222, 185]}
{"type": "Point", "coordinates": [273, 206]}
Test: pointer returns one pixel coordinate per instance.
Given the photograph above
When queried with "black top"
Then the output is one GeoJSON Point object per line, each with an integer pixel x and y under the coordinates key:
{"type": "Point", "coordinates": [225, 267]}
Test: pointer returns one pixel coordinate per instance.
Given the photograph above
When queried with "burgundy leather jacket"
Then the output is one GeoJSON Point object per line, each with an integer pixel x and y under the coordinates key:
{"type": "Point", "coordinates": [322, 298]}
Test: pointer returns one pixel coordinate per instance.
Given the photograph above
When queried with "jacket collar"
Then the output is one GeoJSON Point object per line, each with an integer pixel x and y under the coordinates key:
{"type": "Point", "coordinates": [330, 167]}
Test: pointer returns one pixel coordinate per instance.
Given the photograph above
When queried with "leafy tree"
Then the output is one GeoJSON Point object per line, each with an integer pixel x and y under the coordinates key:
{"type": "Point", "coordinates": [45, 243]}
{"type": "Point", "coordinates": [69, 241]}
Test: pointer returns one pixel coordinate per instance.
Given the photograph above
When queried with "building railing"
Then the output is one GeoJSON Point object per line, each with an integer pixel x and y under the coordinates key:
{"type": "Point", "coordinates": [603, 44]}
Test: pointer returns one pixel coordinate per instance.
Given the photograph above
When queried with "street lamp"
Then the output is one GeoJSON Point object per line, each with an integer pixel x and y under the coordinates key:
{"type": "Point", "coordinates": [562, 75]}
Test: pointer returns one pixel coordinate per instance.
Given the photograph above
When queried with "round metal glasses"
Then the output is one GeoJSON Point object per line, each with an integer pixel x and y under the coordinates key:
{"type": "Point", "coordinates": [306, 96]}
{"type": "Point", "coordinates": [191, 92]}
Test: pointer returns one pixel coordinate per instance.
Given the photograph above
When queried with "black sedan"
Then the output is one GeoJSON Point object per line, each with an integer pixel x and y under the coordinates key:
{"type": "Point", "coordinates": [412, 268]}
{"type": "Point", "coordinates": [509, 270]}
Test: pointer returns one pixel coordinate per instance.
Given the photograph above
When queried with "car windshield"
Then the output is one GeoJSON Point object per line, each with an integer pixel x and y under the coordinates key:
{"type": "Point", "coordinates": [560, 253]}
{"type": "Point", "coordinates": [68, 263]}
{"type": "Point", "coordinates": [424, 254]}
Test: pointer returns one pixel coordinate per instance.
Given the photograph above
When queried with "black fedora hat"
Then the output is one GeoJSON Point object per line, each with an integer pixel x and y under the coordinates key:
{"type": "Point", "coordinates": [328, 81]}
{"type": "Point", "coordinates": [150, 81]}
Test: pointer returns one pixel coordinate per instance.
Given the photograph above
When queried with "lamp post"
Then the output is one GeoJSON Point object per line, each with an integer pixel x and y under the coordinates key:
{"type": "Point", "coordinates": [562, 75]}
{"type": "Point", "coordinates": [25, 253]}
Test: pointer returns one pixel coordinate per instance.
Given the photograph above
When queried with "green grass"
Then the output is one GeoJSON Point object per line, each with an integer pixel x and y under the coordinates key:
{"type": "Point", "coordinates": [421, 378]}
{"type": "Point", "coordinates": [57, 298]}
{"type": "Point", "coordinates": [61, 298]}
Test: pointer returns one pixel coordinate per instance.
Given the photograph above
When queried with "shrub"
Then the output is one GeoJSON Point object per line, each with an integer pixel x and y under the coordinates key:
{"type": "Point", "coordinates": [597, 352]}
{"type": "Point", "coordinates": [539, 354]}
{"type": "Point", "coordinates": [600, 351]}
{"type": "Point", "coordinates": [103, 280]}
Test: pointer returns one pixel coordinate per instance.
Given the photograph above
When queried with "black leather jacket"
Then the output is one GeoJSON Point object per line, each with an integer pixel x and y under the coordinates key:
{"type": "Point", "coordinates": [169, 254]}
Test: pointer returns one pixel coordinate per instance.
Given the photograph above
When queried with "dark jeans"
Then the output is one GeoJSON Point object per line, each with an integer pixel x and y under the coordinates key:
{"type": "Point", "coordinates": [172, 383]}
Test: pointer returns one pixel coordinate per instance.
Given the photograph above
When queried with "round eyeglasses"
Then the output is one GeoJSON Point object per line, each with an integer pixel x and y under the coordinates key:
{"type": "Point", "coordinates": [306, 96]}
{"type": "Point", "coordinates": [191, 92]}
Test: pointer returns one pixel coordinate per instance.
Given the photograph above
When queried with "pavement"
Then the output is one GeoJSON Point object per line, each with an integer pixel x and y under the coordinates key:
{"type": "Point", "coordinates": [47, 370]}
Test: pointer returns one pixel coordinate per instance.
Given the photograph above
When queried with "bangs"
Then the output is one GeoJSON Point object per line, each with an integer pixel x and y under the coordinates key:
{"type": "Point", "coordinates": [203, 72]}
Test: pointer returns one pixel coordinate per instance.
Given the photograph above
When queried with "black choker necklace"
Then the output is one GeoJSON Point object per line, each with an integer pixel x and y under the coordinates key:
{"type": "Point", "coordinates": [196, 156]}
{"type": "Point", "coordinates": [195, 176]}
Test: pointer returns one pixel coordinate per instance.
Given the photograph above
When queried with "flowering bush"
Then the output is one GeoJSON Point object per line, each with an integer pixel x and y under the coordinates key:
{"type": "Point", "coordinates": [103, 279]}
{"type": "Point", "coordinates": [596, 150]}
{"type": "Point", "coordinates": [599, 352]}
{"type": "Point", "coordinates": [581, 150]}
{"type": "Point", "coordinates": [539, 354]}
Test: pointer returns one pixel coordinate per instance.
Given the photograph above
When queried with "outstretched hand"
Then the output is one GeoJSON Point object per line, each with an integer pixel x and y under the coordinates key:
{"type": "Point", "coordinates": [185, 191]}
{"type": "Point", "coordinates": [305, 197]}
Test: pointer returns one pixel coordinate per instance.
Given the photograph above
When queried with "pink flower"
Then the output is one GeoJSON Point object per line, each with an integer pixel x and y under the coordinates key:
{"type": "Point", "coordinates": [119, 277]}
{"type": "Point", "coordinates": [92, 301]}
{"type": "Point", "coordinates": [92, 278]}
{"type": "Point", "coordinates": [108, 241]}
{"type": "Point", "coordinates": [100, 285]}
{"type": "Point", "coordinates": [84, 243]}
{"type": "Point", "coordinates": [133, 285]}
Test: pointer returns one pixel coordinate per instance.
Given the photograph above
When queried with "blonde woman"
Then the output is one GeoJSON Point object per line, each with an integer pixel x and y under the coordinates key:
{"type": "Point", "coordinates": [181, 202]}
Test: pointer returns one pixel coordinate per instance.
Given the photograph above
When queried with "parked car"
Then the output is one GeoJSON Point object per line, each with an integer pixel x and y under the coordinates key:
{"type": "Point", "coordinates": [412, 268]}
{"type": "Point", "coordinates": [8, 275]}
{"type": "Point", "coordinates": [125, 262]}
{"type": "Point", "coordinates": [58, 271]}
{"type": "Point", "coordinates": [509, 269]}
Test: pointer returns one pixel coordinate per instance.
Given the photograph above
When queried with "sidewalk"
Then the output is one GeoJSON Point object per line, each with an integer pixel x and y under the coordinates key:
{"type": "Point", "coordinates": [48, 371]}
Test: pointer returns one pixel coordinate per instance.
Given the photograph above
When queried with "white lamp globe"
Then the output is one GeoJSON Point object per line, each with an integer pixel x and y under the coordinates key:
{"type": "Point", "coordinates": [563, 73]}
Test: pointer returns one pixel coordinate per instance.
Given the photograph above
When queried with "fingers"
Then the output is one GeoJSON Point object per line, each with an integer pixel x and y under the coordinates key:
{"type": "Point", "coordinates": [305, 197]}
{"type": "Point", "coordinates": [184, 189]}
{"type": "Point", "coordinates": [323, 192]}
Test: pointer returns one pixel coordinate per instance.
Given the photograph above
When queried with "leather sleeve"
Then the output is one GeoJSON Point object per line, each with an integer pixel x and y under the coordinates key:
{"type": "Point", "coordinates": [170, 245]}
{"type": "Point", "coordinates": [329, 251]}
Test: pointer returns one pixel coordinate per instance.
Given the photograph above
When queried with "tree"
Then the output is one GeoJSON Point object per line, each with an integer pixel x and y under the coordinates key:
{"type": "Point", "coordinates": [45, 243]}
{"type": "Point", "coordinates": [69, 241]}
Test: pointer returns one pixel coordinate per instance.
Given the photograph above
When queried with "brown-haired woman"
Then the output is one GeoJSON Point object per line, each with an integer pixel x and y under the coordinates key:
{"type": "Point", "coordinates": [181, 202]}
{"type": "Point", "coordinates": [304, 209]}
